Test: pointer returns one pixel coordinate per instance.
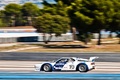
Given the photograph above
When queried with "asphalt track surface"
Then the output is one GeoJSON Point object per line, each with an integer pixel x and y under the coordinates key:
{"type": "Point", "coordinates": [19, 56]}
{"type": "Point", "coordinates": [28, 66]}
{"type": "Point", "coordinates": [20, 66]}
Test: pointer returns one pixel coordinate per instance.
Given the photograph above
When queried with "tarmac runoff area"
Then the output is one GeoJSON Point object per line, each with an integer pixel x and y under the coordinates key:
{"type": "Point", "coordinates": [28, 66]}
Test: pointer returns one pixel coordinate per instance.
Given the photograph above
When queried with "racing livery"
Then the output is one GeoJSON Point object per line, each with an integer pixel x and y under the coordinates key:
{"type": "Point", "coordinates": [67, 64]}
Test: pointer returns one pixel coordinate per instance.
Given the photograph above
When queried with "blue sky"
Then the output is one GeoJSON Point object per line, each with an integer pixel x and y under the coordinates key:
{"type": "Point", "coordinates": [3, 3]}
{"type": "Point", "coordinates": [51, 1]}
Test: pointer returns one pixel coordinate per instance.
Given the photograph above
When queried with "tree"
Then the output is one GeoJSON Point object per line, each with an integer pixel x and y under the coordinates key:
{"type": "Point", "coordinates": [12, 11]}
{"type": "Point", "coordinates": [30, 10]}
{"type": "Point", "coordinates": [2, 19]}
{"type": "Point", "coordinates": [79, 20]}
{"type": "Point", "coordinates": [51, 24]}
{"type": "Point", "coordinates": [115, 23]}
{"type": "Point", "coordinates": [102, 16]}
{"type": "Point", "coordinates": [55, 9]}
{"type": "Point", "coordinates": [67, 2]}
{"type": "Point", "coordinates": [89, 16]}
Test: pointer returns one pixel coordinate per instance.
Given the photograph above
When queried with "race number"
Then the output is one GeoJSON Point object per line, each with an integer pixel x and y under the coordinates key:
{"type": "Point", "coordinates": [71, 66]}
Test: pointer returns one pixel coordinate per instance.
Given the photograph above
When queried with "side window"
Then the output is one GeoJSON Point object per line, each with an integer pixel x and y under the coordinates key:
{"type": "Point", "coordinates": [62, 61]}
{"type": "Point", "coordinates": [71, 60]}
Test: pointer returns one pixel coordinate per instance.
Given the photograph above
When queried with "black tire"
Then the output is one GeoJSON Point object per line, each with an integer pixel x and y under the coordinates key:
{"type": "Point", "coordinates": [47, 68]}
{"type": "Point", "coordinates": [82, 68]}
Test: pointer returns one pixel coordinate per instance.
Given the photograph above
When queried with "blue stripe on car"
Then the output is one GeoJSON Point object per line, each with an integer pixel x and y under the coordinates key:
{"type": "Point", "coordinates": [59, 66]}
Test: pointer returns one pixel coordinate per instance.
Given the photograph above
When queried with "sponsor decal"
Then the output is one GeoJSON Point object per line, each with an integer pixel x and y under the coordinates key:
{"type": "Point", "coordinates": [59, 65]}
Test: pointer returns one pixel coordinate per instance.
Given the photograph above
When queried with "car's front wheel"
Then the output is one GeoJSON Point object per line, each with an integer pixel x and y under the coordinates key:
{"type": "Point", "coordinates": [82, 68]}
{"type": "Point", "coordinates": [47, 68]}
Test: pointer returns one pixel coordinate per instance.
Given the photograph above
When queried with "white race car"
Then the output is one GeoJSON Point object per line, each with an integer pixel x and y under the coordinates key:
{"type": "Point", "coordinates": [67, 64]}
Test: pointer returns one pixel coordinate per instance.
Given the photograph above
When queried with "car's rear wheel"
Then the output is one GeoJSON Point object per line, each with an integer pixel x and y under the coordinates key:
{"type": "Point", "coordinates": [47, 68]}
{"type": "Point", "coordinates": [82, 68]}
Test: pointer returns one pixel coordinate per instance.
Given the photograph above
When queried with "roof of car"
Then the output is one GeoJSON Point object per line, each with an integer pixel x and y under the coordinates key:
{"type": "Point", "coordinates": [79, 59]}
{"type": "Point", "coordinates": [70, 57]}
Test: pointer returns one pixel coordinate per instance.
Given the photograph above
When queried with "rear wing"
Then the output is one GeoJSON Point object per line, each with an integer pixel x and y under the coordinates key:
{"type": "Point", "coordinates": [93, 58]}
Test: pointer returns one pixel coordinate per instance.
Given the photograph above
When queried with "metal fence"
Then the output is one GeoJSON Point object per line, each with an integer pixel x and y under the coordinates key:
{"type": "Point", "coordinates": [64, 37]}
{"type": "Point", "coordinates": [8, 40]}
